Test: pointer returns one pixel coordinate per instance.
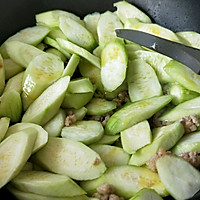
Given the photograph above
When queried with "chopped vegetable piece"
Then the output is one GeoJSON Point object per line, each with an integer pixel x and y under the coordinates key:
{"type": "Point", "coordinates": [135, 112]}
{"type": "Point", "coordinates": [114, 62]}
{"type": "Point", "coordinates": [48, 103]}
{"type": "Point", "coordinates": [71, 158]}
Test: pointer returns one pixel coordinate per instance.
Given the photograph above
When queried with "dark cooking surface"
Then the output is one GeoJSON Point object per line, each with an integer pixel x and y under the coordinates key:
{"type": "Point", "coordinates": [15, 15]}
{"type": "Point", "coordinates": [174, 14]}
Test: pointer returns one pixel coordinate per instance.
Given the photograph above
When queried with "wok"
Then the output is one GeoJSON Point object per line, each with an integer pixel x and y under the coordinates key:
{"type": "Point", "coordinates": [177, 15]}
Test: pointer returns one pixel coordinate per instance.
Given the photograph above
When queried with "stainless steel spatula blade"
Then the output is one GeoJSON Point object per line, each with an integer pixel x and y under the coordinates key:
{"type": "Point", "coordinates": [184, 54]}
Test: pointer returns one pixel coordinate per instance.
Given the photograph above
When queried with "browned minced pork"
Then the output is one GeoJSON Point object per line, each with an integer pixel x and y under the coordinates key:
{"type": "Point", "coordinates": [101, 196]}
{"type": "Point", "coordinates": [106, 192]}
{"type": "Point", "coordinates": [121, 99]}
{"type": "Point", "coordinates": [152, 162]}
{"type": "Point", "coordinates": [95, 117]}
{"type": "Point", "coordinates": [115, 197]}
{"type": "Point", "coordinates": [190, 123]}
{"type": "Point", "coordinates": [105, 189]}
{"type": "Point", "coordinates": [106, 118]}
{"type": "Point", "coordinates": [155, 122]}
{"type": "Point", "coordinates": [101, 118]}
{"type": "Point", "coordinates": [192, 157]}
{"type": "Point", "coordinates": [70, 119]}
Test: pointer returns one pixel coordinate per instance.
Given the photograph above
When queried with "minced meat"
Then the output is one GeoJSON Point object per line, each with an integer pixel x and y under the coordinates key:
{"type": "Point", "coordinates": [70, 119]}
{"type": "Point", "coordinates": [106, 118]}
{"type": "Point", "coordinates": [105, 189]}
{"type": "Point", "coordinates": [101, 118]}
{"type": "Point", "coordinates": [114, 197]}
{"type": "Point", "coordinates": [121, 99]}
{"type": "Point", "coordinates": [190, 123]}
{"type": "Point", "coordinates": [152, 162]}
{"type": "Point", "coordinates": [192, 157]}
{"type": "Point", "coordinates": [106, 192]}
{"type": "Point", "coordinates": [155, 122]}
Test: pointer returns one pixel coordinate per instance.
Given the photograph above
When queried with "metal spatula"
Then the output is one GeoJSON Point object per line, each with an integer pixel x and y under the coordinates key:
{"type": "Point", "coordinates": [182, 53]}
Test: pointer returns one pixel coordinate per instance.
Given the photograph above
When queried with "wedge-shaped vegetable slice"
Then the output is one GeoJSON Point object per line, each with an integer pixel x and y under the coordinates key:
{"type": "Point", "coordinates": [180, 178]}
{"type": "Point", "coordinates": [71, 65]}
{"type": "Point", "coordinates": [127, 181]}
{"type": "Point", "coordinates": [32, 196]}
{"type": "Point", "coordinates": [79, 93]}
{"type": "Point", "coordinates": [56, 33]}
{"type": "Point", "coordinates": [126, 10]}
{"type": "Point", "coordinates": [129, 23]}
{"type": "Point", "coordinates": [87, 132]}
{"type": "Point", "coordinates": [90, 186]}
{"type": "Point", "coordinates": [76, 100]}
{"type": "Point", "coordinates": [108, 139]}
{"type": "Point", "coordinates": [31, 35]}
{"type": "Point", "coordinates": [99, 106]}
{"type": "Point", "coordinates": [188, 143]}
{"type": "Point", "coordinates": [15, 83]}
{"type": "Point", "coordinates": [142, 81]}
{"type": "Point", "coordinates": [11, 68]}
{"type": "Point", "coordinates": [55, 124]}
{"type": "Point", "coordinates": [111, 155]}
{"type": "Point", "coordinates": [42, 135]}
{"type": "Point", "coordinates": [2, 75]}
{"type": "Point", "coordinates": [192, 38]}
{"type": "Point", "coordinates": [51, 18]}
{"type": "Point", "coordinates": [190, 107]}
{"type": "Point", "coordinates": [14, 152]}
{"type": "Point", "coordinates": [73, 48]}
{"type": "Point", "coordinates": [106, 26]}
{"type": "Point", "coordinates": [41, 72]}
{"type": "Point", "coordinates": [80, 85]}
{"type": "Point", "coordinates": [91, 21]}
{"type": "Point", "coordinates": [114, 62]}
{"type": "Point", "coordinates": [71, 158]}
{"type": "Point", "coordinates": [4, 124]}
{"type": "Point", "coordinates": [156, 60]}
{"type": "Point", "coordinates": [163, 137]}
{"type": "Point", "coordinates": [131, 47]}
{"type": "Point", "coordinates": [135, 112]}
{"type": "Point", "coordinates": [93, 73]}
{"type": "Point", "coordinates": [97, 51]}
{"type": "Point", "coordinates": [56, 52]}
{"type": "Point", "coordinates": [155, 29]}
{"type": "Point", "coordinates": [77, 33]}
{"type": "Point", "coordinates": [146, 194]}
{"type": "Point", "coordinates": [54, 43]}
{"type": "Point", "coordinates": [10, 109]}
{"type": "Point", "coordinates": [48, 103]}
{"type": "Point", "coordinates": [22, 53]}
{"type": "Point", "coordinates": [136, 137]}
{"type": "Point", "coordinates": [47, 183]}
{"type": "Point", "coordinates": [180, 94]}
{"type": "Point", "coordinates": [183, 75]}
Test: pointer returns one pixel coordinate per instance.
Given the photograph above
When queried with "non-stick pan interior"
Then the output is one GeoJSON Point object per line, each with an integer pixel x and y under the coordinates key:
{"type": "Point", "coordinates": [175, 14]}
